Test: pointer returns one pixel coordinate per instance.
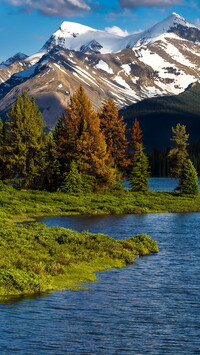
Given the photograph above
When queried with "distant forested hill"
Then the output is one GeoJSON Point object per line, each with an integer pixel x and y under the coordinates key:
{"type": "Point", "coordinates": [158, 115]}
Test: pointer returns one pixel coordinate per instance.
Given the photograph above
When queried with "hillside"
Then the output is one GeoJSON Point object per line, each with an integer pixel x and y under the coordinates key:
{"type": "Point", "coordinates": [158, 115]}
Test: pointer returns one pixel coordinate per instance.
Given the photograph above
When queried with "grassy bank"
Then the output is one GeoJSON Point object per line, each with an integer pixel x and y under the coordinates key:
{"type": "Point", "coordinates": [36, 258]}
{"type": "Point", "coordinates": [18, 205]}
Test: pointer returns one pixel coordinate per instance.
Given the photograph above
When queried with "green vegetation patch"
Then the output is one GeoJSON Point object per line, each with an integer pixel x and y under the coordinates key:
{"type": "Point", "coordinates": [36, 258]}
{"type": "Point", "coordinates": [22, 205]}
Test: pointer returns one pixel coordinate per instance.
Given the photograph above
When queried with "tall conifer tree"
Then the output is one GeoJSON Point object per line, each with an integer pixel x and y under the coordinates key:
{"type": "Point", "coordinates": [139, 177]}
{"type": "Point", "coordinates": [24, 146]}
{"type": "Point", "coordinates": [188, 182]}
{"type": "Point", "coordinates": [178, 154]}
{"type": "Point", "coordinates": [181, 166]}
{"type": "Point", "coordinates": [114, 130]}
{"type": "Point", "coordinates": [51, 175]}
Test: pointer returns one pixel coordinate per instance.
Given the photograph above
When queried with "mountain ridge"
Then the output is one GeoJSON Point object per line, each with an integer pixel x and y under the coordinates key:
{"type": "Point", "coordinates": [155, 62]}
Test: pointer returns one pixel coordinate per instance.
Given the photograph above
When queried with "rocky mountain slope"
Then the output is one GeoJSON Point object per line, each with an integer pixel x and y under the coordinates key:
{"type": "Point", "coordinates": [163, 60]}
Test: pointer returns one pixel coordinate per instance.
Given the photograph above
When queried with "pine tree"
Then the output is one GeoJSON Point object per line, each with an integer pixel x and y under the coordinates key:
{"type": "Point", "coordinates": [188, 182]}
{"type": "Point", "coordinates": [136, 141]}
{"type": "Point", "coordinates": [114, 130]}
{"type": "Point", "coordinates": [178, 154]}
{"type": "Point", "coordinates": [51, 180]}
{"type": "Point", "coordinates": [79, 138]}
{"type": "Point", "coordinates": [73, 182]}
{"type": "Point", "coordinates": [24, 141]}
{"type": "Point", "coordinates": [139, 178]}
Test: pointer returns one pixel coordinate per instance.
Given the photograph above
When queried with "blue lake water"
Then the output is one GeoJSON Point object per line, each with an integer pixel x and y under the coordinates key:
{"type": "Point", "coordinates": [161, 184]}
{"type": "Point", "coordinates": [149, 307]}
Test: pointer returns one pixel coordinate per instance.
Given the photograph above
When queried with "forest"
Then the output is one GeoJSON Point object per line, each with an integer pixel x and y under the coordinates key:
{"type": "Point", "coordinates": [88, 151]}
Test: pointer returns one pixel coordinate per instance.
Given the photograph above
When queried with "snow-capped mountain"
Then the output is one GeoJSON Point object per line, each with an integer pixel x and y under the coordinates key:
{"type": "Point", "coordinates": [11, 60]}
{"type": "Point", "coordinates": [13, 65]}
{"type": "Point", "coordinates": [74, 36]}
{"type": "Point", "coordinates": [163, 60]}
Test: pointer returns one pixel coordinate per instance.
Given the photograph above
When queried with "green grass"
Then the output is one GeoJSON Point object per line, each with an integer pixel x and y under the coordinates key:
{"type": "Point", "coordinates": [36, 258]}
{"type": "Point", "coordinates": [23, 205]}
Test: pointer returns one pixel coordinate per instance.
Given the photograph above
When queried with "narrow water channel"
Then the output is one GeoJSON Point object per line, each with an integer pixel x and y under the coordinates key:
{"type": "Point", "coordinates": [150, 307]}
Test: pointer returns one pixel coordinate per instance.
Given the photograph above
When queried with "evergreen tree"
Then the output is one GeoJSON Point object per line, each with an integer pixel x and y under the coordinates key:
{"type": "Point", "coordinates": [136, 141]}
{"type": "Point", "coordinates": [73, 182]}
{"type": "Point", "coordinates": [62, 146]}
{"type": "Point", "coordinates": [24, 142]}
{"type": "Point", "coordinates": [79, 138]}
{"type": "Point", "coordinates": [188, 182]}
{"type": "Point", "coordinates": [139, 178]}
{"type": "Point", "coordinates": [114, 130]}
{"type": "Point", "coordinates": [178, 154]}
{"type": "Point", "coordinates": [51, 180]}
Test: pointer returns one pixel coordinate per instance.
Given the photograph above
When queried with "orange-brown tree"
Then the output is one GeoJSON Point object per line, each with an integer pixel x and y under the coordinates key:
{"type": "Point", "coordinates": [79, 138]}
{"type": "Point", "coordinates": [114, 130]}
{"type": "Point", "coordinates": [136, 135]}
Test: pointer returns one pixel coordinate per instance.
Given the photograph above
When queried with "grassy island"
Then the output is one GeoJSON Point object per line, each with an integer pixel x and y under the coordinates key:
{"type": "Point", "coordinates": [36, 258]}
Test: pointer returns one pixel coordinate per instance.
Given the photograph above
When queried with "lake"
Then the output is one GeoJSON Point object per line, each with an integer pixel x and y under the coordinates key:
{"type": "Point", "coordinates": [161, 184]}
{"type": "Point", "coordinates": [149, 307]}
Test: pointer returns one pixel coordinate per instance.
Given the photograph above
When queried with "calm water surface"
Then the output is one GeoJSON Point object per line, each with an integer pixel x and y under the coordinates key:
{"type": "Point", "coordinates": [150, 307]}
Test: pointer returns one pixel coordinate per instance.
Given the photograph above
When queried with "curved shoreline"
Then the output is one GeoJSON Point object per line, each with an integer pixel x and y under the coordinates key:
{"type": "Point", "coordinates": [31, 265]}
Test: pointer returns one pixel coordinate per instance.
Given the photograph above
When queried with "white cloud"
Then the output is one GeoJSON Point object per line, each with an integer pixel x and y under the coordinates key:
{"type": "Point", "coordinates": [117, 31]}
{"type": "Point", "coordinates": [148, 3]}
{"type": "Point", "coordinates": [51, 7]}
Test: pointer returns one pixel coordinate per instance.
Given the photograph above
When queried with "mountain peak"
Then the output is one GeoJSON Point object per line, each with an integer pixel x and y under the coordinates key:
{"type": "Point", "coordinates": [177, 19]}
{"type": "Point", "coordinates": [11, 60]}
{"type": "Point", "coordinates": [73, 27]}
{"type": "Point", "coordinates": [81, 38]}
{"type": "Point", "coordinates": [174, 14]}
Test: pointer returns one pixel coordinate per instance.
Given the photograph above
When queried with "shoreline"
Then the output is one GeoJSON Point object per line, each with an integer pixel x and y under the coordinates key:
{"type": "Point", "coordinates": [35, 260]}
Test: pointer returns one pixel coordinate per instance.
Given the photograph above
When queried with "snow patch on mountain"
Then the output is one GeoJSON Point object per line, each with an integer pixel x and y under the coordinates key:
{"type": "Point", "coordinates": [59, 67]}
{"type": "Point", "coordinates": [178, 56]}
{"type": "Point", "coordinates": [121, 81]}
{"type": "Point", "coordinates": [104, 66]}
{"type": "Point", "coordinates": [126, 69]}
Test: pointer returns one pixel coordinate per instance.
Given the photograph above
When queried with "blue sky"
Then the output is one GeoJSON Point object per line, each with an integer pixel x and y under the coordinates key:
{"type": "Point", "coordinates": [25, 25]}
